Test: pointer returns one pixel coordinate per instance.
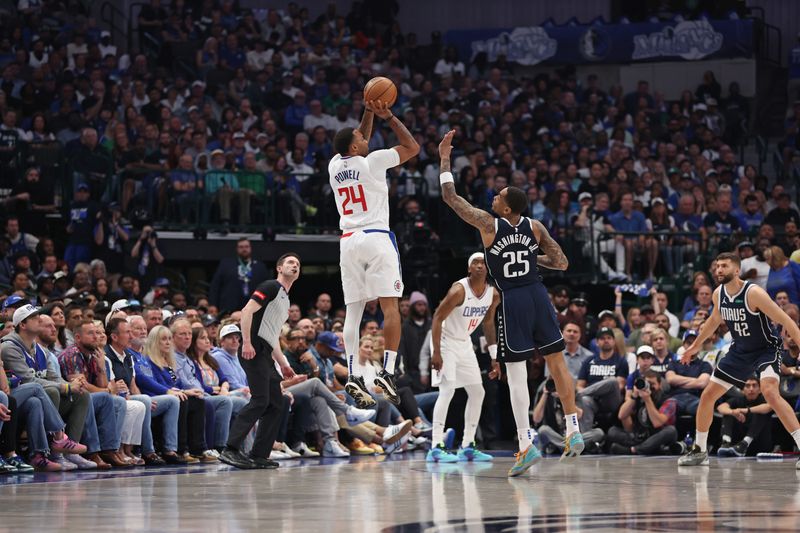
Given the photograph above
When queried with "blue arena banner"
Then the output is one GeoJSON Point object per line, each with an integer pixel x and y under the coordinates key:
{"type": "Point", "coordinates": [686, 40]}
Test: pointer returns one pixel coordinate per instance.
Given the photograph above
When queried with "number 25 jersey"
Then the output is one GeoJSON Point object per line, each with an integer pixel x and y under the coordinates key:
{"type": "Point", "coordinates": [511, 258]}
{"type": "Point", "coordinates": [360, 189]}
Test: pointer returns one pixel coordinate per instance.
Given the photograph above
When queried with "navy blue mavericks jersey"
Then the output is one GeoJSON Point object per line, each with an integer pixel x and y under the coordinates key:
{"type": "Point", "coordinates": [511, 258]}
{"type": "Point", "coordinates": [751, 331]}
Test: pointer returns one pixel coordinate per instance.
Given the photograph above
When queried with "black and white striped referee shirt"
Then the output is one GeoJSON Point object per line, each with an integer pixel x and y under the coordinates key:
{"type": "Point", "coordinates": [274, 312]}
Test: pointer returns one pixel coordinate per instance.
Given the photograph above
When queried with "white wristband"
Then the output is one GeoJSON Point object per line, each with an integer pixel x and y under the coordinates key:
{"type": "Point", "coordinates": [446, 177]}
{"type": "Point", "coordinates": [493, 351]}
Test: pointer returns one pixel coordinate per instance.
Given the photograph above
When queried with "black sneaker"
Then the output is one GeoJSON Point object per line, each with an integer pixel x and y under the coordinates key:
{"type": "Point", "coordinates": [619, 449]}
{"type": "Point", "coordinates": [737, 450]}
{"type": "Point", "coordinates": [694, 457]}
{"type": "Point", "coordinates": [262, 463]}
{"type": "Point", "coordinates": [677, 448]}
{"type": "Point", "coordinates": [385, 381]}
{"type": "Point", "coordinates": [358, 391]}
{"type": "Point", "coordinates": [236, 458]}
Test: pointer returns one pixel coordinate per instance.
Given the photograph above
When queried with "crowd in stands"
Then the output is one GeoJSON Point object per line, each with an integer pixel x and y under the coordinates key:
{"type": "Point", "coordinates": [114, 367]}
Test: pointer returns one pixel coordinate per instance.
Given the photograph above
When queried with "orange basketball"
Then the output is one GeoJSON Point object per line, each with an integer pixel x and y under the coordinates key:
{"type": "Point", "coordinates": [380, 88]}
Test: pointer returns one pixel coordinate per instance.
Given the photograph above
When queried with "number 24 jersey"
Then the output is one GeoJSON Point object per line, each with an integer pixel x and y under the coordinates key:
{"type": "Point", "coordinates": [360, 189]}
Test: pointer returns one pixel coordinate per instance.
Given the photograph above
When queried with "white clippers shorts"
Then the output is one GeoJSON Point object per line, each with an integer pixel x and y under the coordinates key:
{"type": "Point", "coordinates": [459, 365]}
{"type": "Point", "coordinates": [370, 265]}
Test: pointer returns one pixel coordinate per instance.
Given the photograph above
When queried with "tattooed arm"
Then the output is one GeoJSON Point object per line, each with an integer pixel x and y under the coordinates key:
{"type": "Point", "coordinates": [553, 257]}
{"type": "Point", "coordinates": [478, 218]}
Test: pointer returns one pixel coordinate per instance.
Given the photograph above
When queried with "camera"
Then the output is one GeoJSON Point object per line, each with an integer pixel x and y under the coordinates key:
{"type": "Point", "coordinates": [550, 386]}
{"type": "Point", "coordinates": [641, 384]}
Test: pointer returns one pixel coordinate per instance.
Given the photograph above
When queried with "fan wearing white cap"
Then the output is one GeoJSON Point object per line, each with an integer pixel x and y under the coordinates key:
{"type": "Point", "coordinates": [467, 303]}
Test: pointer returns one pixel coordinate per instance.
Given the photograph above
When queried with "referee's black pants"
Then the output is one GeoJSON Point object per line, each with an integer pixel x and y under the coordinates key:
{"type": "Point", "coordinates": [265, 406]}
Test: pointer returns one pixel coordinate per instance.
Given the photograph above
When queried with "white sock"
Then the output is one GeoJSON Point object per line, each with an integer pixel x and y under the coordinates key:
{"type": "Point", "coordinates": [472, 413]}
{"type": "Point", "coordinates": [353, 367]}
{"type": "Point", "coordinates": [572, 423]}
{"type": "Point", "coordinates": [796, 437]}
{"type": "Point", "coordinates": [389, 361]}
{"type": "Point", "coordinates": [748, 440]}
{"type": "Point", "coordinates": [701, 439]}
{"type": "Point", "coordinates": [525, 438]}
{"type": "Point", "coordinates": [446, 393]}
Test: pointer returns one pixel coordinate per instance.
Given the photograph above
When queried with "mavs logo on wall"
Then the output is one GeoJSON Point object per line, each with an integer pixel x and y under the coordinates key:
{"type": "Point", "coordinates": [689, 40]}
{"type": "Point", "coordinates": [594, 44]}
{"type": "Point", "coordinates": [526, 46]}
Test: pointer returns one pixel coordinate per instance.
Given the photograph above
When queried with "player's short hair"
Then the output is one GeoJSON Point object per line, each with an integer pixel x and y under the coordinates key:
{"type": "Point", "coordinates": [342, 141]}
{"type": "Point", "coordinates": [286, 256]}
{"type": "Point", "coordinates": [730, 256]}
{"type": "Point", "coordinates": [516, 200]}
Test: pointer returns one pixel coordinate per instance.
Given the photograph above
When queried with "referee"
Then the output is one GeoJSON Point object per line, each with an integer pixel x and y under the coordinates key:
{"type": "Point", "coordinates": [262, 319]}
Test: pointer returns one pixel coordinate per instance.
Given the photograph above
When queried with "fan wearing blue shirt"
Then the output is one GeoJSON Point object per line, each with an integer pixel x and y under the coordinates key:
{"type": "Point", "coordinates": [687, 382]}
{"type": "Point", "coordinates": [630, 221]}
{"type": "Point", "coordinates": [602, 378]}
{"type": "Point", "coordinates": [227, 356]}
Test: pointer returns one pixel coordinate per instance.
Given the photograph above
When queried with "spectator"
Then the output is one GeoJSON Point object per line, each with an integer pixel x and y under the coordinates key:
{"type": "Point", "coordinates": [574, 354]}
{"type": "Point", "coordinates": [784, 275]}
{"type": "Point", "coordinates": [745, 422]}
{"type": "Point", "coordinates": [27, 364]}
{"type": "Point", "coordinates": [158, 371]}
{"type": "Point", "coordinates": [414, 330]}
{"type": "Point", "coordinates": [183, 185]}
{"type": "Point", "coordinates": [754, 266]}
{"type": "Point", "coordinates": [601, 379]}
{"type": "Point", "coordinates": [86, 362]}
{"type": "Point", "coordinates": [783, 212]}
{"type": "Point", "coordinates": [687, 382]}
{"type": "Point", "coordinates": [548, 415]}
{"type": "Point", "coordinates": [235, 278]}
{"type": "Point", "coordinates": [226, 355]}
{"type": "Point", "coordinates": [148, 256]}
{"type": "Point", "coordinates": [165, 407]}
{"type": "Point", "coordinates": [83, 216]}
{"type": "Point", "coordinates": [629, 221]}
{"type": "Point", "coordinates": [648, 419]}
{"type": "Point", "coordinates": [704, 302]}
{"type": "Point", "coordinates": [190, 375]}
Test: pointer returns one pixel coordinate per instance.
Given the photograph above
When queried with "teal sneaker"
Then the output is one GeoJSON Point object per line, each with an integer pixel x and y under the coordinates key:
{"type": "Point", "coordinates": [573, 446]}
{"type": "Point", "coordinates": [440, 455]}
{"type": "Point", "coordinates": [471, 453]}
{"type": "Point", "coordinates": [525, 459]}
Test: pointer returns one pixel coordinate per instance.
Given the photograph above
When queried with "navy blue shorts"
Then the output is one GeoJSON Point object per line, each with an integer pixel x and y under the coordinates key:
{"type": "Point", "coordinates": [735, 368]}
{"type": "Point", "coordinates": [526, 323]}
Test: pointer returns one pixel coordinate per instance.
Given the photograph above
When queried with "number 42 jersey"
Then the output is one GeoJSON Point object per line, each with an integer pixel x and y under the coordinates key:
{"type": "Point", "coordinates": [511, 258]}
{"type": "Point", "coordinates": [360, 189]}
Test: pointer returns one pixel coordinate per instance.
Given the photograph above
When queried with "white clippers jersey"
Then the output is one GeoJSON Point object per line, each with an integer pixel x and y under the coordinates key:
{"type": "Point", "coordinates": [360, 189]}
{"type": "Point", "coordinates": [465, 318]}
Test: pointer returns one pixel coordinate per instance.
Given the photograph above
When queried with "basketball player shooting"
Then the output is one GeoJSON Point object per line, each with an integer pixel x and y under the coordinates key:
{"type": "Point", "coordinates": [526, 319]}
{"type": "Point", "coordinates": [369, 257]}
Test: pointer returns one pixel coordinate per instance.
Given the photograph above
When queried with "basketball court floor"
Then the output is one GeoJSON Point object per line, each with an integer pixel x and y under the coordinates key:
{"type": "Point", "coordinates": [403, 493]}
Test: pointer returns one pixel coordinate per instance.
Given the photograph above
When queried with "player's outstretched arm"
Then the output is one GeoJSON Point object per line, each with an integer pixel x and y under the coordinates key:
{"type": "Point", "coordinates": [554, 257]}
{"type": "Point", "coordinates": [408, 147]}
{"type": "Point", "coordinates": [468, 213]}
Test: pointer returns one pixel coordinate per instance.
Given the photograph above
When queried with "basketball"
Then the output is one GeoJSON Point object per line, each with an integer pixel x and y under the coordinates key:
{"type": "Point", "coordinates": [380, 88]}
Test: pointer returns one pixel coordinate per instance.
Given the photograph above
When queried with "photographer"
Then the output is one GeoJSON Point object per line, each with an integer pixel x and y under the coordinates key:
{"type": "Point", "coordinates": [650, 417]}
{"type": "Point", "coordinates": [148, 256]}
{"type": "Point", "coordinates": [746, 419]}
{"type": "Point", "coordinates": [550, 414]}
{"type": "Point", "coordinates": [110, 237]}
